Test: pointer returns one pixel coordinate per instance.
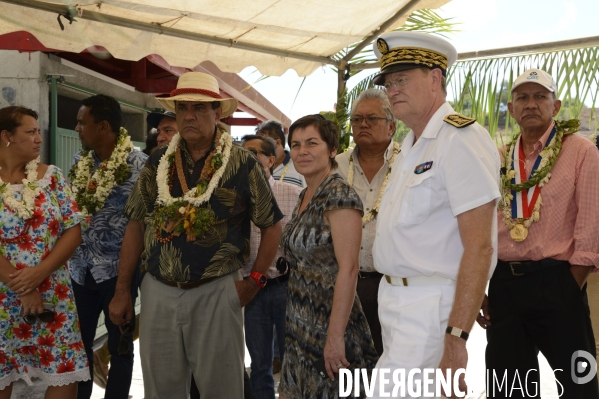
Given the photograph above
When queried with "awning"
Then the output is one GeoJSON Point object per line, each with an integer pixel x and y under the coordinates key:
{"type": "Point", "coordinates": [272, 35]}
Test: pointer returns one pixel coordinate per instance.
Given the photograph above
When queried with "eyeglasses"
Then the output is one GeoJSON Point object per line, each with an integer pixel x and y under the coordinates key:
{"type": "Point", "coordinates": [396, 84]}
{"type": "Point", "coordinates": [46, 316]}
{"type": "Point", "coordinates": [370, 120]}
{"type": "Point", "coordinates": [126, 330]}
{"type": "Point", "coordinates": [256, 152]}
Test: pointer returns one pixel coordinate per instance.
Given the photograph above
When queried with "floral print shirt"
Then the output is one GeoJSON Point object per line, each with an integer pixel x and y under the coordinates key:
{"type": "Point", "coordinates": [102, 239]}
{"type": "Point", "coordinates": [242, 195]}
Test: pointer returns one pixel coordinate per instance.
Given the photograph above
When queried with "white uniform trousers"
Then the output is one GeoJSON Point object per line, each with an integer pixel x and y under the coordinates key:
{"type": "Point", "coordinates": [413, 322]}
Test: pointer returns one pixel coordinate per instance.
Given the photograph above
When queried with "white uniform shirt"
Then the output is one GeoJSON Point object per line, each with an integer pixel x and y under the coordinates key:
{"type": "Point", "coordinates": [369, 193]}
{"type": "Point", "coordinates": [417, 229]}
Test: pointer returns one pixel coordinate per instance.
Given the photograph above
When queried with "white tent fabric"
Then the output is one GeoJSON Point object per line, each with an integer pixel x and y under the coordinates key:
{"type": "Point", "coordinates": [317, 28]}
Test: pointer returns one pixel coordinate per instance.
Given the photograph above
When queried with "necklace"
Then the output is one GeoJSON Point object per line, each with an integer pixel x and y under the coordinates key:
{"type": "Point", "coordinates": [92, 189]}
{"type": "Point", "coordinates": [285, 169]}
{"type": "Point", "coordinates": [350, 180]}
{"type": "Point", "coordinates": [31, 189]}
{"type": "Point", "coordinates": [188, 214]}
{"type": "Point", "coordinates": [515, 194]}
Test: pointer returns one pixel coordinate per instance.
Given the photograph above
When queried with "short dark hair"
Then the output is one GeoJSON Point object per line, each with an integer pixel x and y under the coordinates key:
{"type": "Point", "coordinates": [11, 117]}
{"type": "Point", "coordinates": [269, 147]}
{"type": "Point", "coordinates": [105, 108]}
{"type": "Point", "coordinates": [328, 130]}
{"type": "Point", "coordinates": [272, 129]}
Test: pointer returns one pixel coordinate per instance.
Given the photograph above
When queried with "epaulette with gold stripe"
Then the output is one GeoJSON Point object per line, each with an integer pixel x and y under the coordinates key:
{"type": "Point", "coordinates": [459, 120]}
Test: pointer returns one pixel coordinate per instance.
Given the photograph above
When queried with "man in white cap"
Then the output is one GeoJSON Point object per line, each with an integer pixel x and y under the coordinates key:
{"type": "Point", "coordinates": [547, 249]}
{"type": "Point", "coordinates": [190, 214]}
{"type": "Point", "coordinates": [436, 232]}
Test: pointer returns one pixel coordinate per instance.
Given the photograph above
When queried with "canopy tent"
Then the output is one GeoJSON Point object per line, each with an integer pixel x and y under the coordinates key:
{"type": "Point", "coordinates": [272, 35]}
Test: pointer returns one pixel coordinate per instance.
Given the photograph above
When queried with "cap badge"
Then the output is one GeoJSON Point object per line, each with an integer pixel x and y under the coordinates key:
{"type": "Point", "coordinates": [382, 45]}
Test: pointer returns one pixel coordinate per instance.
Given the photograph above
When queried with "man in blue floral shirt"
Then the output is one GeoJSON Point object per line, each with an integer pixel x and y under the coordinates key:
{"type": "Point", "coordinates": [102, 177]}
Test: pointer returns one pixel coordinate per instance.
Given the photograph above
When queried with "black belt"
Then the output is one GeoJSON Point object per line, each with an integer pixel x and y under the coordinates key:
{"type": "Point", "coordinates": [369, 274]}
{"type": "Point", "coordinates": [281, 279]}
{"type": "Point", "coordinates": [520, 268]}
{"type": "Point", "coordinates": [187, 285]}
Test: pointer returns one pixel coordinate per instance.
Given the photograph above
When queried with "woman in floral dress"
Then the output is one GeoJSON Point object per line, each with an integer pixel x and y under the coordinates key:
{"type": "Point", "coordinates": [39, 231]}
{"type": "Point", "coordinates": [322, 243]}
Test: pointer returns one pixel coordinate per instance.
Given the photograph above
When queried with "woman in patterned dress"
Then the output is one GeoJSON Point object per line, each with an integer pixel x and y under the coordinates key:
{"type": "Point", "coordinates": [322, 243]}
{"type": "Point", "coordinates": [37, 237]}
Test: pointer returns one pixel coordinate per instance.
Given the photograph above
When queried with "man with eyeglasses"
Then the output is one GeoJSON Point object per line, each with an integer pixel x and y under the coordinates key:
{"type": "Point", "coordinates": [366, 168]}
{"type": "Point", "coordinates": [267, 309]}
{"type": "Point", "coordinates": [436, 235]}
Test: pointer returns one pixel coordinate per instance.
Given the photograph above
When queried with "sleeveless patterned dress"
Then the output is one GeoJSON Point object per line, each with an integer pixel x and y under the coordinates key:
{"type": "Point", "coordinates": [308, 246]}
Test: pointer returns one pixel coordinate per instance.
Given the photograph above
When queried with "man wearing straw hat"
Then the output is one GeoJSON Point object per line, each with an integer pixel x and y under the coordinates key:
{"type": "Point", "coordinates": [190, 214]}
{"type": "Point", "coordinates": [436, 232]}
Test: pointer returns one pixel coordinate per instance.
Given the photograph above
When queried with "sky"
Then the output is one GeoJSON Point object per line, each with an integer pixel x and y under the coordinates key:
{"type": "Point", "coordinates": [483, 25]}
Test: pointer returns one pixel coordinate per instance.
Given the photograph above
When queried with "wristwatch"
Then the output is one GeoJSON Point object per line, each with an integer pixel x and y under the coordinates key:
{"type": "Point", "coordinates": [457, 332]}
{"type": "Point", "coordinates": [260, 279]}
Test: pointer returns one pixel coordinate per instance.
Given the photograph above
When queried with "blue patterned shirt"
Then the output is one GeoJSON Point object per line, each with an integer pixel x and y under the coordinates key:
{"type": "Point", "coordinates": [101, 245]}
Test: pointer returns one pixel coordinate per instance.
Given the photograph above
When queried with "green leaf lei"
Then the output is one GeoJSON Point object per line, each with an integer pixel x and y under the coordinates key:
{"type": "Point", "coordinates": [563, 128]}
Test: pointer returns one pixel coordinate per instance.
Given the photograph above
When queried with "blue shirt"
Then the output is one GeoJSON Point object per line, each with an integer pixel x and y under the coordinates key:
{"type": "Point", "coordinates": [102, 239]}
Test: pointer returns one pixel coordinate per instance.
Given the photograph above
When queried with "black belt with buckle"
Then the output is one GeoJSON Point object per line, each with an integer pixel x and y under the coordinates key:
{"type": "Point", "coordinates": [520, 268]}
{"type": "Point", "coordinates": [369, 274]}
{"type": "Point", "coordinates": [281, 279]}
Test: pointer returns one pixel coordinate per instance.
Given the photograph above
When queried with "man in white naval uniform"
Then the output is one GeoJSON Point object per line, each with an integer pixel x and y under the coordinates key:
{"type": "Point", "coordinates": [436, 236]}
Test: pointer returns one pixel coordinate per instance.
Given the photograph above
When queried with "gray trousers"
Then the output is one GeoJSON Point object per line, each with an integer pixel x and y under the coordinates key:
{"type": "Point", "coordinates": [198, 330]}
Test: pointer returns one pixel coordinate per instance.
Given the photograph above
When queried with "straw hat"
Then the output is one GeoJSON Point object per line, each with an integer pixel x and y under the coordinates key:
{"type": "Point", "coordinates": [400, 51]}
{"type": "Point", "coordinates": [198, 86]}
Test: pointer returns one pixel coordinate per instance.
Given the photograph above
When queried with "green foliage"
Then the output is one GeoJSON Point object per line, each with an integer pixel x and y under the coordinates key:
{"type": "Point", "coordinates": [481, 88]}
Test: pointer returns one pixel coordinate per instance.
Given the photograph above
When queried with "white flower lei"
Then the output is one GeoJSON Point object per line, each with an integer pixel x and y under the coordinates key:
{"type": "Point", "coordinates": [377, 204]}
{"type": "Point", "coordinates": [164, 196]}
{"type": "Point", "coordinates": [103, 175]}
{"type": "Point", "coordinates": [31, 189]}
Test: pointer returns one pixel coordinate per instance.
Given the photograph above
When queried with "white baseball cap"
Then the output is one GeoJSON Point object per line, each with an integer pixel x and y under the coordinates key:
{"type": "Point", "coordinates": [537, 76]}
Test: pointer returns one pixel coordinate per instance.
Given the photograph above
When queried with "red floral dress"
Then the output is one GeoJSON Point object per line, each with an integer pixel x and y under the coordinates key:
{"type": "Point", "coordinates": [51, 351]}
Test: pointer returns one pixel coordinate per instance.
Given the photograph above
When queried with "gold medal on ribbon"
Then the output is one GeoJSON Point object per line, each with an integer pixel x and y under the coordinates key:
{"type": "Point", "coordinates": [519, 233]}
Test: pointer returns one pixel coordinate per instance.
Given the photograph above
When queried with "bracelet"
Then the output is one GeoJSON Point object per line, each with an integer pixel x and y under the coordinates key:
{"type": "Point", "coordinates": [457, 332]}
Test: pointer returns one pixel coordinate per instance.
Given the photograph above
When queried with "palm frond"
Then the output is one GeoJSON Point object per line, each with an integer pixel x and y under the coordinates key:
{"type": "Point", "coordinates": [481, 88]}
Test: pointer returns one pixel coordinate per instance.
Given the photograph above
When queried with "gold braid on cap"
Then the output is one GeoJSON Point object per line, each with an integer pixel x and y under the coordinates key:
{"type": "Point", "coordinates": [414, 55]}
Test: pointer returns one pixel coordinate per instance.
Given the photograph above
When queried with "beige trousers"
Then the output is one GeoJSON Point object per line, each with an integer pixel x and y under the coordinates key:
{"type": "Point", "coordinates": [198, 330]}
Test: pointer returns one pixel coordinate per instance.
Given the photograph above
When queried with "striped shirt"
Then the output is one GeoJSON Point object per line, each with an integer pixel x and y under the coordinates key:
{"type": "Point", "coordinates": [569, 224]}
{"type": "Point", "coordinates": [291, 176]}
{"type": "Point", "coordinates": [286, 196]}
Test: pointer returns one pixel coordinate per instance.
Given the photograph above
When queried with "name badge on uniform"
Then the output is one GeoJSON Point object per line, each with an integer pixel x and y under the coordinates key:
{"type": "Point", "coordinates": [423, 167]}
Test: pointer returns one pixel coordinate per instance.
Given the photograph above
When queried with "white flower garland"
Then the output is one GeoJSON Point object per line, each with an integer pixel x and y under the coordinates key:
{"type": "Point", "coordinates": [377, 204]}
{"type": "Point", "coordinates": [31, 189]}
{"type": "Point", "coordinates": [104, 175]}
{"type": "Point", "coordinates": [164, 196]}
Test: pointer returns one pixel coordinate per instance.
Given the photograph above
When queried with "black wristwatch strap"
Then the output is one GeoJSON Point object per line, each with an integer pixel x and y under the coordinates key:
{"type": "Point", "coordinates": [457, 332]}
